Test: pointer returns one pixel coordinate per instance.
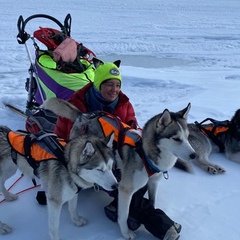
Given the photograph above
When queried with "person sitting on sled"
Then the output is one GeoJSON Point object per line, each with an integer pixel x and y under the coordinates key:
{"type": "Point", "coordinates": [104, 94]}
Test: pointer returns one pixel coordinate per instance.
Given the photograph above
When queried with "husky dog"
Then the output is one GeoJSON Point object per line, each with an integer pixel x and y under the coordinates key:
{"type": "Point", "coordinates": [87, 160]}
{"type": "Point", "coordinates": [164, 139]}
{"type": "Point", "coordinates": [228, 142]}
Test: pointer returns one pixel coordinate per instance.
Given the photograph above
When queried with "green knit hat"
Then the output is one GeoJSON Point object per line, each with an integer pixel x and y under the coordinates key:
{"type": "Point", "coordinates": [105, 71]}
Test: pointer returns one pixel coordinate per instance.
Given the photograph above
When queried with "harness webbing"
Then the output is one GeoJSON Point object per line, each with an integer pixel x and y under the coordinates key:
{"type": "Point", "coordinates": [124, 135]}
{"type": "Point", "coordinates": [112, 123]}
{"type": "Point", "coordinates": [52, 146]}
{"type": "Point", "coordinates": [55, 145]}
{"type": "Point", "coordinates": [214, 130]}
{"type": "Point", "coordinates": [29, 146]}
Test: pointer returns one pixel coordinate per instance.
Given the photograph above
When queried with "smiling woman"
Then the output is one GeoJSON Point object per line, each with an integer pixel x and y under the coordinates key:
{"type": "Point", "coordinates": [110, 89]}
{"type": "Point", "coordinates": [104, 94]}
{"type": "Point", "coordinates": [107, 82]}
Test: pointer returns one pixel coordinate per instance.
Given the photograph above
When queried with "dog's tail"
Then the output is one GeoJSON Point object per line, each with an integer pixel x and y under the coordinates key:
{"type": "Point", "coordinates": [4, 130]}
{"type": "Point", "coordinates": [184, 165]}
{"type": "Point", "coordinates": [62, 108]}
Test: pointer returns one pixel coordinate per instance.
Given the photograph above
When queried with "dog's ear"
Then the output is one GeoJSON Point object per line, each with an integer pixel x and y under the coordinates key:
{"type": "Point", "coordinates": [117, 63]}
{"type": "Point", "coordinates": [184, 113]}
{"type": "Point", "coordinates": [88, 149]}
{"type": "Point", "coordinates": [110, 139]}
{"type": "Point", "coordinates": [165, 119]}
{"type": "Point", "coordinates": [236, 116]}
{"type": "Point", "coordinates": [97, 62]}
{"type": "Point", "coordinates": [235, 121]}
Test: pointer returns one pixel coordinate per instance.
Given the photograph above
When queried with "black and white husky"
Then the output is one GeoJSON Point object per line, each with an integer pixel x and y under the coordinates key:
{"type": "Point", "coordinates": [164, 139]}
{"type": "Point", "coordinates": [226, 141]}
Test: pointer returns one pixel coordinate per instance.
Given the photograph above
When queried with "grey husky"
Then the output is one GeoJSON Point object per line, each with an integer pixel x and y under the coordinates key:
{"type": "Point", "coordinates": [164, 139]}
{"type": "Point", "coordinates": [227, 142]}
{"type": "Point", "coordinates": [87, 160]}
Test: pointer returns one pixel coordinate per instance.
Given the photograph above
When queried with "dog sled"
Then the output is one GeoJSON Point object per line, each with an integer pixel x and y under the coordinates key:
{"type": "Point", "coordinates": [60, 67]}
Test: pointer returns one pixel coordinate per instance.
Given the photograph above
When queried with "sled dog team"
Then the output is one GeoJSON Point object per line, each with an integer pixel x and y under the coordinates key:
{"type": "Point", "coordinates": [166, 138]}
{"type": "Point", "coordinates": [89, 161]}
{"type": "Point", "coordinates": [91, 154]}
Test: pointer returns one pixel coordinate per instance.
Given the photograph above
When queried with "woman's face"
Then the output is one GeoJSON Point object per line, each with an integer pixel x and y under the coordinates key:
{"type": "Point", "coordinates": [110, 89]}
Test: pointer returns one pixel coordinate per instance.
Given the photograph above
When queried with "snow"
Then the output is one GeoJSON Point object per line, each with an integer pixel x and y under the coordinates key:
{"type": "Point", "coordinates": [173, 52]}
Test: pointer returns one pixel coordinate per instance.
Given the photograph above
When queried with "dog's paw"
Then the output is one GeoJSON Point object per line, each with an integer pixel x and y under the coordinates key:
{"type": "Point", "coordinates": [10, 196]}
{"type": "Point", "coordinates": [4, 228]}
{"type": "Point", "coordinates": [80, 221]}
{"type": "Point", "coordinates": [221, 170]}
{"type": "Point", "coordinates": [215, 169]}
{"type": "Point", "coordinates": [129, 235]}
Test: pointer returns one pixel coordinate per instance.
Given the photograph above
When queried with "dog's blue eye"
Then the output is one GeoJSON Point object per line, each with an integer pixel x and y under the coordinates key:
{"type": "Point", "coordinates": [100, 170]}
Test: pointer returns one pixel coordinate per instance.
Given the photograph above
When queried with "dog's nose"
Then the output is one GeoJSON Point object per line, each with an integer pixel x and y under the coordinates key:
{"type": "Point", "coordinates": [192, 156]}
{"type": "Point", "coordinates": [115, 186]}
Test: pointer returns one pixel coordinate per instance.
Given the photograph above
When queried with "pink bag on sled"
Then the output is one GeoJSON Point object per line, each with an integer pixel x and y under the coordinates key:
{"type": "Point", "coordinates": [66, 51]}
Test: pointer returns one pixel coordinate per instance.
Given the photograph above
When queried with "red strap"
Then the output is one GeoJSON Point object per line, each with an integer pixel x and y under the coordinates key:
{"type": "Point", "coordinates": [22, 191]}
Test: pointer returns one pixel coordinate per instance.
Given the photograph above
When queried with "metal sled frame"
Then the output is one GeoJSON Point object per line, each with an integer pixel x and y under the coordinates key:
{"type": "Point", "coordinates": [22, 38]}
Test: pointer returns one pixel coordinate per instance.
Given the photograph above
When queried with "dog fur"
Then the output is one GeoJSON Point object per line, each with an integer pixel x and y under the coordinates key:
{"type": "Point", "coordinates": [164, 139]}
{"type": "Point", "coordinates": [204, 146]}
{"type": "Point", "coordinates": [4, 228]}
{"type": "Point", "coordinates": [88, 160]}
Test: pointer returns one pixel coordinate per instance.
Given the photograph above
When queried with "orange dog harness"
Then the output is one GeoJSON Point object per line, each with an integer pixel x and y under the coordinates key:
{"type": "Point", "coordinates": [36, 148]}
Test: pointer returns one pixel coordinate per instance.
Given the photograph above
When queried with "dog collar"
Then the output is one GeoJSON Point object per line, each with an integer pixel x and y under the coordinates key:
{"type": "Point", "coordinates": [151, 168]}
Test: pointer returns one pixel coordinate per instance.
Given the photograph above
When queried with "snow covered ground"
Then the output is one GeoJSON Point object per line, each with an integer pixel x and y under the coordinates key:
{"type": "Point", "coordinates": [173, 52]}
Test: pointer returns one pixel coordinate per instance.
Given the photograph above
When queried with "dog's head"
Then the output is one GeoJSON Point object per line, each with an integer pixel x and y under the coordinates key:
{"type": "Point", "coordinates": [90, 161]}
{"type": "Point", "coordinates": [168, 133]}
{"type": "Point", "coordinates": [89, 153]}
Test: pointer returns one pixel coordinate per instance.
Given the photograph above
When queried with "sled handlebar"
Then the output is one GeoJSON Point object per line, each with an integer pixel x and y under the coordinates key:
{"type": "Point", "coordinates": [23, 36]}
